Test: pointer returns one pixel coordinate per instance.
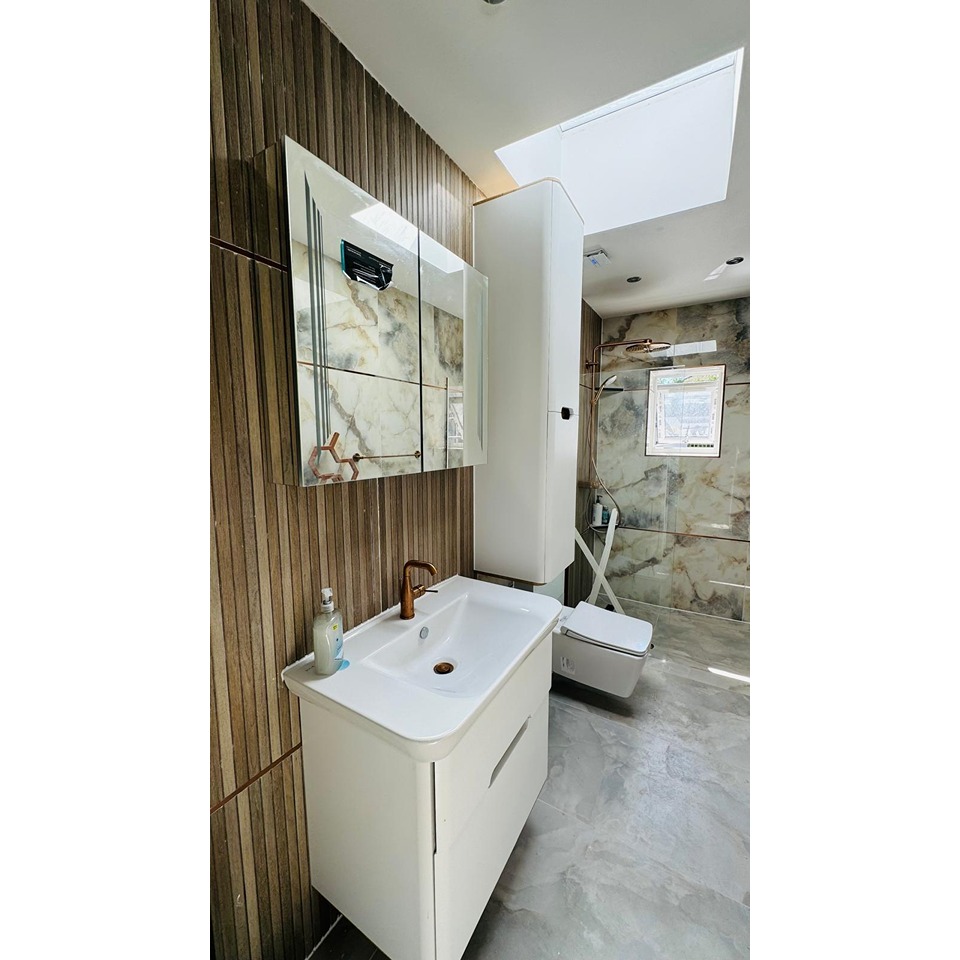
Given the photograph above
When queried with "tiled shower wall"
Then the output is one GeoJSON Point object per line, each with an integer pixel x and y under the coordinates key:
{"type": "Point", "coordinates": [685, 539]}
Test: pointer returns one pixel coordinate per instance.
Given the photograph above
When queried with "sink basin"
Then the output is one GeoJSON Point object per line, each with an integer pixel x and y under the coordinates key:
{"type": "Point", "coordinates": [466, 647]}
{"type": "Point", "coordinates": [421, 683]}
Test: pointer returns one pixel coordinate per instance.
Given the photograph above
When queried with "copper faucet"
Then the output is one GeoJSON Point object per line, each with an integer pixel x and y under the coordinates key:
{"type": "Point", "coordinates": [409, 592]}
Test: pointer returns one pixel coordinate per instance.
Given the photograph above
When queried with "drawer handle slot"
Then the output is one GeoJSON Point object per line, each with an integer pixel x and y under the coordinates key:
{"type": "Point", "coordinates": [507, 752]}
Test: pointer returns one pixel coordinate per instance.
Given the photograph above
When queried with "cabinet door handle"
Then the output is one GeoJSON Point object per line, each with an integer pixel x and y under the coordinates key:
{"type": "Point", "coordinates": [507, 752]}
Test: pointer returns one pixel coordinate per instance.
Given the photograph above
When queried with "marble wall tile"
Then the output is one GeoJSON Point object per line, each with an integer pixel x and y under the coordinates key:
{"type": "Point", "coordinates": [726, 321]}
{"type": "Point", "coordinates": [708, 496]}
{"type": "Point", "coordinates": [711, 496]}
{"type": "Point", "coordinates": [702, 574]}
{"type": "Point", "coordinates": [640, 485]}
{"type": "Point", "coordinates": [640, 565]}
{"type": "Point", "coordinates": [708, 576]}
{"type": "Point", "coordinates": [697, 503]}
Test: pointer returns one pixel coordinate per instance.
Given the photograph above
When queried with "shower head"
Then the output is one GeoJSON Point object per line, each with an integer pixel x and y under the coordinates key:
{"type": "Point", "coordinates": [648, 346]}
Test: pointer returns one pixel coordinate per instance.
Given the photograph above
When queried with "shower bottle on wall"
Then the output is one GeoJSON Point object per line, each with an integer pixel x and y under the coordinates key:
{"type": "Point", "coordinates": [597, 512]}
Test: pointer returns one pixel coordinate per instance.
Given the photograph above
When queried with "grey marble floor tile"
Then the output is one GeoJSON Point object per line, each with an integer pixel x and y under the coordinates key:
{"type": "Point", "coordinates": [693, 638]}
{"type": "Point", "coordinates": [569, 892]}
{"type": "Point", "coordinates": [694, 710]}
{"type": "Point", "coordinates": [685, 799]}
{"type": "Point", "coordinates": [690, 672]}
{"type": "Point", "coordinates": [703, 641]}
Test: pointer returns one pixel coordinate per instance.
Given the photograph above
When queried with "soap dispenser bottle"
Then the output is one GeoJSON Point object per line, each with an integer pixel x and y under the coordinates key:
{"type": "Point", "coordinates": [597, 512]}
{"type": "Point", "coordinates": [327, 636]}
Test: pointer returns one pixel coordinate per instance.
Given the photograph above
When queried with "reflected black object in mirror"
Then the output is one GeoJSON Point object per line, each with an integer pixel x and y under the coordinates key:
{"type": "Point", "coordinates": [364, 267]}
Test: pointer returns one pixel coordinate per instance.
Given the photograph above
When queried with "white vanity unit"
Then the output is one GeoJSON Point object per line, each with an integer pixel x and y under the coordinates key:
{"type": "Point", "coordinates": [418, 782]}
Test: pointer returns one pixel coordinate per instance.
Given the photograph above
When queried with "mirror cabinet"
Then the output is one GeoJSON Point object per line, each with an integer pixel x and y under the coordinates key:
{"type": "Point", "coordinates": [388, 336]}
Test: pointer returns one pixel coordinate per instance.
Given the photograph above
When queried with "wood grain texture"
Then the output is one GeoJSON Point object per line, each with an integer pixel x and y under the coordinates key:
{"type": "Point", "coordinates": [579, 577]}
{"type": "Point", "coordinates": [277, 70]}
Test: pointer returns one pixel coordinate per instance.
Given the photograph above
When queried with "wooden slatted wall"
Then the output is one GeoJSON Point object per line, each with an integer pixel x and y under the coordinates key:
{"type": "Point", "coordinates": [579, 576]}
{"type": "Point", "coordinates": [276, 69]}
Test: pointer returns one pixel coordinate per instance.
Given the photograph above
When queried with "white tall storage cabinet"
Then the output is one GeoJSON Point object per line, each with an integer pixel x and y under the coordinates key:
{"type": "Point", "coordinates": [529, 244]}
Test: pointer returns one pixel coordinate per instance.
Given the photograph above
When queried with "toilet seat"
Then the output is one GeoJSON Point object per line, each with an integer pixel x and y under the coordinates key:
{"type": "Point", "coordinates": [605, 628]}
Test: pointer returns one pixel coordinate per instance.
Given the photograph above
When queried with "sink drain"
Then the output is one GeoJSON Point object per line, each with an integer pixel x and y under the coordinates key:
{"type": "Point", "coordinates": [444, 666]}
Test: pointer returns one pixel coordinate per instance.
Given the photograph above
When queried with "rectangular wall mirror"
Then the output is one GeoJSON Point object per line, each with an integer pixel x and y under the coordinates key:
{"type": "Point", "coordinates": [390, 335]}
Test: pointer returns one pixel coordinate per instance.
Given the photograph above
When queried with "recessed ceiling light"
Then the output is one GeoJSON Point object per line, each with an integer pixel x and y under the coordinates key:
{"type": "Point", "coordinates": [734, 260]}
{"type": "Point", "coordinates": [633, 279]}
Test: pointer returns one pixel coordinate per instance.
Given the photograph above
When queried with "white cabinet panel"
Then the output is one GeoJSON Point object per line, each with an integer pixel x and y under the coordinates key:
{"type": "Point", "coordinates": [529, 243]}
{"type": "Point", "coordinates": [370, 832]}
{"type": "Point", "coordinates": [560, 494]}
{"type": "Point", "coordinates": [467, 870]}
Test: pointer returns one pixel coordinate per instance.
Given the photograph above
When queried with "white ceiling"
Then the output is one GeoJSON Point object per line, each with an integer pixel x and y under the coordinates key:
{"type": "Point", "coordinates": [477, 77]}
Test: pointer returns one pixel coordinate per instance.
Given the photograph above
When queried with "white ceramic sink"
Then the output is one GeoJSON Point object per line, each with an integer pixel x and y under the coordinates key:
{"type": "Point", "coordinates": [482, 630]}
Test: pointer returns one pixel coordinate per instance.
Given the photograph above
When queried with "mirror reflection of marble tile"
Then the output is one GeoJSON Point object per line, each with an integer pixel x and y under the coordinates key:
{"type": "Point", "coordinates": [308, 425]}
{"type": "Point", "coordinates": [300, 279]}
{"type": "Point", "coordinates": [440, 442]}
{"type": "Point", "coordinates": [374, 417]}
{"type": "Point", "coordinates": [442, 335]}
{"type": "Point", "coordinates": [351, 321]}
{"type": "Point", "coordinates": [399, 335]}
{"type": "Point", "coordinates": [399, 428]}
{"type": "Point", "coordinates": [367, 331]}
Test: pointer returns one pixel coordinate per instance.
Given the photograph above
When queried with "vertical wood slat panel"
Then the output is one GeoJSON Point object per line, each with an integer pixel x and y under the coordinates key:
{"type": "Point", "coordinates": [241, 517]}
{"type": "Point", "coordinates": [218, 132]}
{"type": "Point", "coordinates": [221, 417]}
{"type": "Point", "coordinates": [254, 77]}
{"type": "Point", "coordinates": [308, 94]}
{"type": "Point", "coordinates": [260, 869]}
{"type": "Point", "coordinates": [226, 769]}
{"type": "Point", "coordinates": [275, 70]}
{"type": "Point", "coordinates": [579, 575]}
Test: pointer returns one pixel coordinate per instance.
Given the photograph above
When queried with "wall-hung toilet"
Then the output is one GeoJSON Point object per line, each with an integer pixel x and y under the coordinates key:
{"type": "Point", "coordinates": [600, 648]}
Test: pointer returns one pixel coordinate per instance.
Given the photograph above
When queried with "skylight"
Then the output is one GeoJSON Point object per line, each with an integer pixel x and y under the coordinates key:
{"type": "Point", "coordinates": [658, 151]}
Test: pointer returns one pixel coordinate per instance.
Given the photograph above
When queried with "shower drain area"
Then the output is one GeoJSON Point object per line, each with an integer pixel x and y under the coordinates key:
{"type": "Point", "coordinates": [444, 666]}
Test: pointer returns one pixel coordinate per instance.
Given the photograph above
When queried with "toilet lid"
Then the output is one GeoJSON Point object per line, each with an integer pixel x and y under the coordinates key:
{"type": "Point", "coordinates": [608, 629]}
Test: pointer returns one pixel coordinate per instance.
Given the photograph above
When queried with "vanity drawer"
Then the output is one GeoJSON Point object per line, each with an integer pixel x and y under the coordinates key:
{"type": "Point", "coordinates": [464, 778]}
{"type": "Point", "coordinates": [467, 868]}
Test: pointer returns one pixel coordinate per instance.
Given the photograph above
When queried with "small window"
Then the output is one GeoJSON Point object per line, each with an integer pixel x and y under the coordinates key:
{"type": "Point", "coordinates": [685, 411]}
